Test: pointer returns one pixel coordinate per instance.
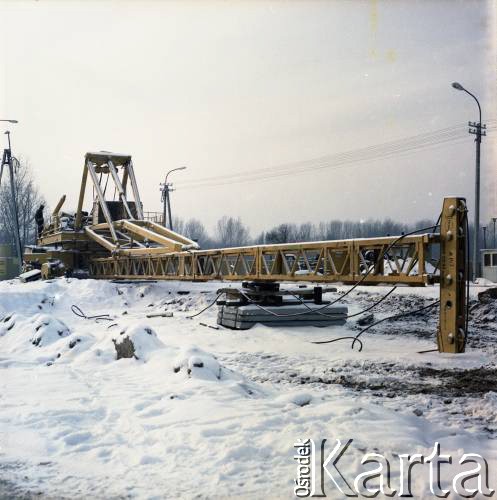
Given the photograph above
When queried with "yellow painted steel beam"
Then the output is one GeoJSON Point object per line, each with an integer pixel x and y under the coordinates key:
{"type": "Point", "coordinates": [168, 243]}
{"type": "Point", "coordinates": [100, 240]}
{"type": "Point", "coordinates": [79, 213]}
{"type": "Point", "coordinates": [453, 276]}
{"type": "Point", "coordinates": [59, 205]}
{"type": "Point", "coordinates": [334, 261]}
{"type": "Point", "coordinates": [157, 228]}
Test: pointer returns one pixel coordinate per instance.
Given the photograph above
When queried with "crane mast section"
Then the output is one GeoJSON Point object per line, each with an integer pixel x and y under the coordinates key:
{"type": "Point", "coordinates": [412, 261]}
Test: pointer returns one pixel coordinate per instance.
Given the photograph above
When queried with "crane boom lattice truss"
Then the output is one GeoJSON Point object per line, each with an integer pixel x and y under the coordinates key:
{"type": "Point", "coordinates": [115, 242]}
{"type": "Point", "coordinates": [408, 261]}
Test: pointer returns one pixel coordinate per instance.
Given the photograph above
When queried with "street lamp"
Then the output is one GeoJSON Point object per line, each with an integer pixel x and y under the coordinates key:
{"type": "Point", "coordinates": [475, 129]}
{"type": "Point", "coordinates": [7, 161]}
{"type": "Point", "coordinates": [166, 188]}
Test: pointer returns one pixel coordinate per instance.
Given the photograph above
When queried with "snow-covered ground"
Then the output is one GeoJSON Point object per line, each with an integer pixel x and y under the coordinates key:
{"type": "Point", "coordinates": [214, 413]}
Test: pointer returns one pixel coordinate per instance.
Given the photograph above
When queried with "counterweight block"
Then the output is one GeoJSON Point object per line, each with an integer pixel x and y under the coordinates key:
{"type": "Point", "coordinates": [266, 304]}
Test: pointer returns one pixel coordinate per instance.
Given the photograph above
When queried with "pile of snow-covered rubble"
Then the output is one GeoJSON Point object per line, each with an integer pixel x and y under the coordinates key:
{"type": "Point", "coordinates": [111, 390]}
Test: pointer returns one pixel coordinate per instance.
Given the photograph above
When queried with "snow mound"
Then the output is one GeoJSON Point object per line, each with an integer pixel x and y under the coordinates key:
{"type": "Point", "coordinates": [301, 399]}
{"type": "Point", "coordinates": [137, 340]}
{"type": "Point", "coordinates": [199, 364]}
{"type": "Point", "coordinates": [7, 324]}
{"type": "Point", "coordinates": [483, 282]}
{"type": "Point", "coordinates": [42, 338]}
{"type": "Point", "coordinates": [297, 399]}
{"type": "Point", "coordinates": [48, 330]}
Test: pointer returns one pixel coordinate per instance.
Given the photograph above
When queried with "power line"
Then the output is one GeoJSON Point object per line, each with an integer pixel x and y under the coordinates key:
{"type": "Point", "coordinates": [381, 151]}
{"type": "Point", "coordinates": [338, 163]}
{"type": "Point", "coordinates": [398, 142]}
{"type": "Point", "coordinates": [427, 139]}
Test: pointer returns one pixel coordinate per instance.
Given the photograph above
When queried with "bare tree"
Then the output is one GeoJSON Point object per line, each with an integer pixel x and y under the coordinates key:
{"type": "Point", "coordinates": [306, 232]}
{"type": "Point", "coordinates": [331, 230]}
{"type": "Point", "coordinates": [195, 230]}
{"type": "Point", "coordinates": [28, 200]}
{"type": "Point", "coordinates": [178, 225]}
{"type": "Point", "coordinates": [284, 233]}
{"type": "Point", "coordinates": [260, 239]}
{"type": "Point", "coordinates": [231, 232]}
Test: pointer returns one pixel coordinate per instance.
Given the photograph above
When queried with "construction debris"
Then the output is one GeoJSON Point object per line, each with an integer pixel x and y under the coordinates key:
{"type": "Point", "coordinates": [32, 275]}
{"type": "Point", "coordinates": [167, 314]}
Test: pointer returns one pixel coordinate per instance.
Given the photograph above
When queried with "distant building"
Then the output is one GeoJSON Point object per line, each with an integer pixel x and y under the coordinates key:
{"type": "Point", "coordinates": [8, 262]}
{"type": "Point", "coordinates": [489, 263]}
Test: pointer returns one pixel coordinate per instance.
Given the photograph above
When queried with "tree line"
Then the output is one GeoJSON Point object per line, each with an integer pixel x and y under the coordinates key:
{"type": "Point", "coordinates": [228, 231]}
{"type": "Point", "coordinates": [232, 232]}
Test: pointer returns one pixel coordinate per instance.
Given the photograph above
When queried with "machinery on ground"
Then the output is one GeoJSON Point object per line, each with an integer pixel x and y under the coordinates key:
{"type": "Point", "coordinates": [114, 241]}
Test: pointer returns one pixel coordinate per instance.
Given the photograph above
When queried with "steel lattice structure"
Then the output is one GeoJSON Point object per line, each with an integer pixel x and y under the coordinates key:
{"type": "Point", "coordinates": [115, 242]}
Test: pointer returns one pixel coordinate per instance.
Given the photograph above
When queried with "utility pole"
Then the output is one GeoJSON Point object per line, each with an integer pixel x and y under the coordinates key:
{"type": "Point", "coordinates": [166, 188]}
{"type": "Point", "coordinates": [484, 236]}
{"type": "Point", "coordinates": [7, 160]}
{"type": "Point", "coordinates": [494, 219]}
{"type": "Point", "coordinates": [164, 200]}
{"type": "Point", "coordinates": [475, 128]}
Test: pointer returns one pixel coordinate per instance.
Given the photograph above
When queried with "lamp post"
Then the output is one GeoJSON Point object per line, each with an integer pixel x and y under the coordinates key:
{"type": "Point", "coordinates": [166, 189]}
{"type": "Point", "coordinates": [475, 129]}
{"type": "Point", "coordinates": [7, 161]}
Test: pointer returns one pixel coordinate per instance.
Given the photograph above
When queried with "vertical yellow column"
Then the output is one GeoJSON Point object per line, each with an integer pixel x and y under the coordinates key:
{"type": "Point", "coordinates": [453, 275]}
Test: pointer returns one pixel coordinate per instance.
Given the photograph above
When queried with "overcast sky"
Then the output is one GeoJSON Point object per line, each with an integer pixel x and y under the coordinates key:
{"type": "Point", "coordinates": [226, 87]}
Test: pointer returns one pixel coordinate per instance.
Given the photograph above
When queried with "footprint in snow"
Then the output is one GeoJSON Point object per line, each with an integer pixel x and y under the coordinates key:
{"type": "Point", "coordinates": [77, 438]}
